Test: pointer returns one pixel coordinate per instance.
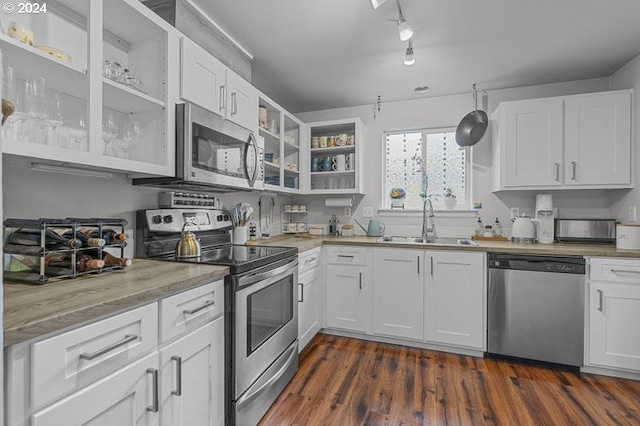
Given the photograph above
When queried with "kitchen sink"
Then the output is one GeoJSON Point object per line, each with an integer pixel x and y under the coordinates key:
{"type": "Point", "coordinates": [449, 241]}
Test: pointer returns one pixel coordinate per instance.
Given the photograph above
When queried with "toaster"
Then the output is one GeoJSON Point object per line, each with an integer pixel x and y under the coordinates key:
{"type": "Point", "coordinates": [599, 231]}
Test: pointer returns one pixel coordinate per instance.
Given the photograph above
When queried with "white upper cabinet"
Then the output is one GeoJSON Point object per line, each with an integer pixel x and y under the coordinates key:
{"type": "Point", "coordinates": [241, 104]}
{"type": "Point", "coordinates": [208, 83]}
{"type": "Point", "coordinates": [74, 107]}
{"type": "Point", "coordinates": [203, 77]}
{"type": "Point", "coordinates": [572, 142]}
{"type": "Point", "coordinates": [597, 141]}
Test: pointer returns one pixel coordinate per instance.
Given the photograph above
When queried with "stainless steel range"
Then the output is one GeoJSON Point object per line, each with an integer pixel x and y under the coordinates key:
{"type": "Point", "coordinates": [261, 312]}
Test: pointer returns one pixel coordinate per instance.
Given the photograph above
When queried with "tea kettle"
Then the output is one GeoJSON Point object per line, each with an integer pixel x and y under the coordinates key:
{"type": "Point", "coordinates": [188, 246]}
{"type": "Point", "coordinates": [523, 230]}
{"type": "Point", "coordinates": [374, 229]}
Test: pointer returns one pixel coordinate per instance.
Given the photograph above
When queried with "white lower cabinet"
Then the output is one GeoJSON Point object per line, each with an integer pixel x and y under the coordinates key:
{"type": "Point", "coordinates": [192, 374]}
{"type": "Point", "coordinates": [614, 314]}
{"type": "Point", "coordinates": [114, 371]}
{"type": "Point", "coordinates": [309, 297]}
{"type": "Point", "coordinates": [128, 397]}
{"type": "Point", "coordinates": [346, 288]}
{"type": "Point", "coordinates": [398, 293]}
{"type": "Point", "coordinates": [454, 304]}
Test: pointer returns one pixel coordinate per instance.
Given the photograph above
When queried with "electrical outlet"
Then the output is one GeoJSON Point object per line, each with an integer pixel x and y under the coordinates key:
{"type": "Point", "coordinates": [633, 214]}
{"type": "Point", "coordinates": [347, 211]}
{"type": "Point", "coordinates": [514, 212]}
{"type": "Point", "coordinates": [367, 212]}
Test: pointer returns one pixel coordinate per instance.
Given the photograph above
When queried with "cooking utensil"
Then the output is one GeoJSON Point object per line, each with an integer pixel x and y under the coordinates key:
{"type": "Point", "coordinates": [473, 125]}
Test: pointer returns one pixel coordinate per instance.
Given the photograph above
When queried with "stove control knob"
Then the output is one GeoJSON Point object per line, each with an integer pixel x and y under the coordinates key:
{"type": "Point", "coordinates": [219, 218]}
{"type": "Point", "coordinates": [156, 218]}
{"type": "Point", "coordinates": [168, 218]}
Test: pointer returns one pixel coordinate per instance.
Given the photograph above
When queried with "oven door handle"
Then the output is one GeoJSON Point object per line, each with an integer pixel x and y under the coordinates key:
{"type": "Point", "coordinates": [255, 394]}
{"type": "Point", "coordinates": [264, 275]}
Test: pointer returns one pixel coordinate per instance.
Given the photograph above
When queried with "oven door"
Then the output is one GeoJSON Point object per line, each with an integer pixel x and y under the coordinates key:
{"type": "Point", "coordinates": [266, 320]}
{"type": "Point", "coordinates": [216, 151]}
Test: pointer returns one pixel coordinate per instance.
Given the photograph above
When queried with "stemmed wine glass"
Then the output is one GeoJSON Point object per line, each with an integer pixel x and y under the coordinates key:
{"type": "Point", "coordinates": [79, 133]}
{"type": "Point", "coordinates": [130, 135]}
{"type": "Point", "coordinates": [109, 133]}
{"type": "Point", "coordinates": [37, 111]}
{"type": "Point", "coordinates": [55, 116]}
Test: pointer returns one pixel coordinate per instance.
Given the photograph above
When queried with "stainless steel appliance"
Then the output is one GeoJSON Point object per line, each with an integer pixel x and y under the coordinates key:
{"type": "Point", "coordinates": [600, 231]}
{"type": "Point", "coordinates": [212, 152]}
{"type": "Point", "coordinates": [536, 308]}
{"type": "Point", "coordinates": [261, 308]}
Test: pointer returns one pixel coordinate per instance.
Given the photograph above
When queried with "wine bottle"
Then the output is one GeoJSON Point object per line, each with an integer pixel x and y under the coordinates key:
{"type": "Point", "coordinates": [84, 262]}
{"type": "Point", "coordinates": [33, 237]}
{"type": "Point", "coordinates": [86, 240]}
{"type": "Point", "coordinates": [109, 259]}
{"type": "Point", "coordinates": [109, 235]}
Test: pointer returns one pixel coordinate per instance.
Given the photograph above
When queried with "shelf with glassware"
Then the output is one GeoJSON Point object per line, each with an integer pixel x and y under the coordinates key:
{"type": "Point", "coordinates": [281, 132]}
{"type": "Point", "coordinates": [335, 157]}
{"type": "Point", "coordinates": [75, 118]}
{"type": "Point", "coordinates": [295, 219]}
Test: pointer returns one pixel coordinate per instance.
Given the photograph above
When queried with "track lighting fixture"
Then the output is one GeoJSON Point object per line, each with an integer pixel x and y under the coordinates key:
{"type": "Point", "coordinates": [404, 29]}
{"type": "Point", "coordinates": [377, 3]}
{"type": "Point", "coordinates": [409, 59]}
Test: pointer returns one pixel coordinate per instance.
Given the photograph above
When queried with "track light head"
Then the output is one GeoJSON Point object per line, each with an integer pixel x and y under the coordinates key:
{"type": "Point", "coordinates": [409, 58]}
{"type": "Point", "coordinates": [377, 3]}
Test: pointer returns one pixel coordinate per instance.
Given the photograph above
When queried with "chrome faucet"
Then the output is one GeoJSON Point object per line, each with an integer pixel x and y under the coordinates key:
{"type": "Point", "coordinates": [426, 228]}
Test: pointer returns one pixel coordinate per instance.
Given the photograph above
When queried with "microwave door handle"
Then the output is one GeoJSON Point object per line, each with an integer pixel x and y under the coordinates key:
{"type": "Point", "coordinates": [252, 144]}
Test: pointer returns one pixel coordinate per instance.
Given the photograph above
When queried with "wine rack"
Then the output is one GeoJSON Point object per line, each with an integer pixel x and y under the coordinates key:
{"type": "Point", "coordinates": [31, 243]}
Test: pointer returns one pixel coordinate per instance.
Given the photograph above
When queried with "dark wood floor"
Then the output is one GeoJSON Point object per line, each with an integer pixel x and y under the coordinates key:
{"type": "Point", "coordinates": [345, 382]}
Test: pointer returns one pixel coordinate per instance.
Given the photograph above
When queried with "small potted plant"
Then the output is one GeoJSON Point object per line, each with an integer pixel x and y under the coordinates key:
{"type": "Point", "coordinates": [450, 199]}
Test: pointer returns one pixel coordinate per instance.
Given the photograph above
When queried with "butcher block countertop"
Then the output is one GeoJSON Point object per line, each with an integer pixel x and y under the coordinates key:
{"type": "Point", "coordinates": [585, 250]}
{"type": "Point", "coordinates": [34, 311]}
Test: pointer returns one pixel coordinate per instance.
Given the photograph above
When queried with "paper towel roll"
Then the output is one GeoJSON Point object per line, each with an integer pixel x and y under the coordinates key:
{"type": "Point", "coordinates": [338, 202]}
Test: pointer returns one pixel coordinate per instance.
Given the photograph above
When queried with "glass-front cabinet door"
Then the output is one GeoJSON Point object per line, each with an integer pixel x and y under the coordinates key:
{"type": "Point", "coordinates": [89, 82]}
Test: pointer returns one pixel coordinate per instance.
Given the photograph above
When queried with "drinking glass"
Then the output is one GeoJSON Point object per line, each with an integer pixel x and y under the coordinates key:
{"type": "Point", "coordinates": [37, 111]}
{"type": "Point", "coordinates": [79, 133]}
{"type": "Point", "coordinates": [109, 133]}
{"type": "Point", "coordinates": [55, 116]}
{"type": "Point", "coordinates": [130, 135]}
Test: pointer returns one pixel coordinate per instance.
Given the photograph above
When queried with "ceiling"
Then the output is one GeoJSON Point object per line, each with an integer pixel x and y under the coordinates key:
{"type": "Point", "coordinates": [319, 54]}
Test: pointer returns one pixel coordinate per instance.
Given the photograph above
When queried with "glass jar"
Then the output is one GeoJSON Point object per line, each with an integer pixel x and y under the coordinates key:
{"type": "Point", "coordinates": [488, 232]}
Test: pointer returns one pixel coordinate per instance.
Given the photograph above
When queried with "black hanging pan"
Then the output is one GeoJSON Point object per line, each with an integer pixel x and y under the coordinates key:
{"type": "Point", "coordinates": [473, 125]}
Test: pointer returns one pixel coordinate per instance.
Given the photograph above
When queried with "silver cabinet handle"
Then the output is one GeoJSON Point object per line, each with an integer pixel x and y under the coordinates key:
{"type": "Point", "coordinates": [360, 279]}
{"type": "Point", "coordinates": [600, 299]}
{"type": "Point", "coordinates": [178, 360]}
{"type": "Point", "coordinates": [418, 263]}
{"type": "Point", "coordinates": [199, 308]}
{"type": "Point", "coordinates": [154, 403]}
{"type": "Point", "coordinates": [301, 299]}
{"type": "Point", "coordinates": [222, 97]}
{"type": "Point", "coordinates": [431, 261]}
{"type": "Point", "coordinates": [234, 103]}
{"type": "Point", "coordinates": [128, 338]}
{"type": "Point", "coordinates": [558, 172]}
{"type": "Point", "coordinates": [625, 271]}
{"type": "Point", "coordinates": [573, 170]}
{"type": "Point", "coordinates": [346, 256]}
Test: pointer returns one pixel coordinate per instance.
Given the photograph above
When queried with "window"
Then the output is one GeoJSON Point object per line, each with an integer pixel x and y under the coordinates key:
{"type": "Point", "coordinates": [424, 162]}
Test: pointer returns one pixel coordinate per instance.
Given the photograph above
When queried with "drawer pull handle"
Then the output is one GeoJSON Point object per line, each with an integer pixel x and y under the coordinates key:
{"type": "Point", "coordinates": [301, 300]}
{"type": "Point", "coordinates": [346, 256]}
{"type": "Point", "coordinates": [199, 308]}
{"type": "Point", "coordinates": [178, 360]}
{"type": "Point", "coordinates": [154, 403]}
{"type": "Point", "coordinates": [128, 338]}
{"type": "Point", "coordinates": [600, 299]}
{"type": "Point", "coordinates": [625, 271]}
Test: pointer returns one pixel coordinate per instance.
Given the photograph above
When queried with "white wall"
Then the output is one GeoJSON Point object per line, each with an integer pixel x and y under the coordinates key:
{"type": "Point", "coordinates": [31, 195]}
{"type": "Point", "coordinates": [447, 111]}
{"type": "Point", "coordinates": [625, 78]}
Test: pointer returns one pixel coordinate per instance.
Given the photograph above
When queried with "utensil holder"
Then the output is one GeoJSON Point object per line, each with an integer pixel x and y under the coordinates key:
{"type": "Point", "coordinates": [240, 234]}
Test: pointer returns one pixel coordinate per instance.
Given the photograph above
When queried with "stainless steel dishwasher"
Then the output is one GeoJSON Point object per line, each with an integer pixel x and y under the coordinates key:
{"type": "Point", "coordinates": [536, 308]}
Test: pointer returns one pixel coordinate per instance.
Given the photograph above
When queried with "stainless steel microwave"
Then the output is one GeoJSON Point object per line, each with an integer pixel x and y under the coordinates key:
{"type": "Point", "coordinates": [213, 154]}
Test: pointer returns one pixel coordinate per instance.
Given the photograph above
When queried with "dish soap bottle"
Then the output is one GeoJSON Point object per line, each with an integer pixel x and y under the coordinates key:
{"type": "Point", "coordinates": [479, 232]}
{"type": "Point", "coordinates": [497, 228]}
